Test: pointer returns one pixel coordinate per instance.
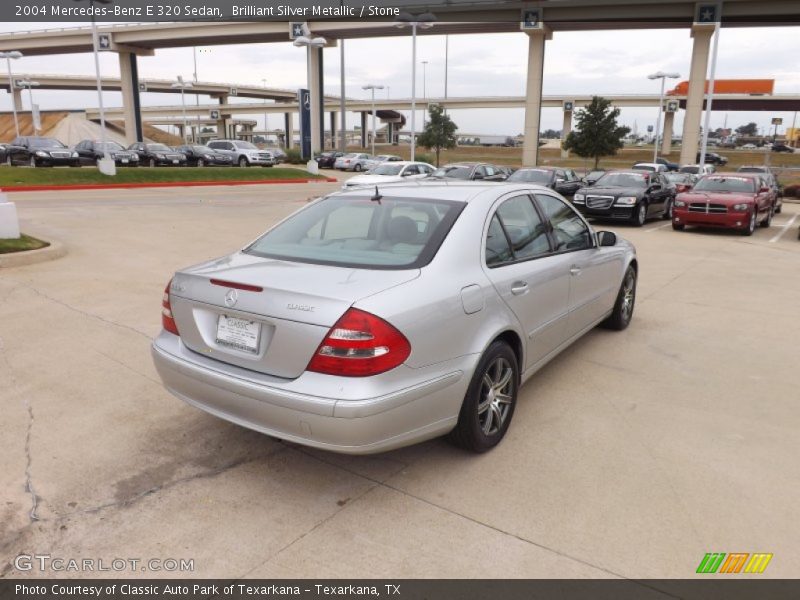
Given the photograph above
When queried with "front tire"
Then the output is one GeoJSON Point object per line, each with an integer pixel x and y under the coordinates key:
{"type": "Point", "coordinates": [201, 163]}
{"type": "Point", "coordinates": [490, 400]}
{"type": "Point", "coordinates": [667, 210]}
{"type": "Point", "coordinates": [640, 216]}
{"type": "Point", "coordinates": [768, 220]}
{"type": "Point", "coordinates": [152, 163]}
{"type": "Point", "coordinates": [678, 226]}
{"type": "Point", "coordinates": [32, 162]}
{"type": "Point", "coordinates": [751, 224]}
{"type": "Point", "coordinates": [243, 162]}
{"type": "Point", "coordinates": [622, 314]}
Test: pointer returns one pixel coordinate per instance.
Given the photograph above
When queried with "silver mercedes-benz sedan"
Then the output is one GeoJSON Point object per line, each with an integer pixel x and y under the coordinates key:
{"type": "Point", "coordinates": [376, 318]}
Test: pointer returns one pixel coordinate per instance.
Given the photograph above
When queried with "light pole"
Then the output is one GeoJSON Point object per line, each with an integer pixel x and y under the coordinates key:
{"type": "Point", "coordinates": [311, 43]}
{"type": "Point", "coordinates": [183, 85]}
{"type": "Point", "coordinates": [662, 76]}
{"type": "Point", "coordinates": [264, 85]}
{"type": "Point", "coordinates": [371, 87]}
{"type": "Point", "coordinates": [27, 83]}
{"type": "Point", "coordinates": [424, 91]}
{"type": "Point", "coordinates": [423, 21]}
{"type": "Point", "coordinates": [13, 54]}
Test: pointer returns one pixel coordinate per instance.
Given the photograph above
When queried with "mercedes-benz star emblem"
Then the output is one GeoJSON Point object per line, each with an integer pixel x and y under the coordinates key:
{"type": "Point", "coordinates": [231, 297]}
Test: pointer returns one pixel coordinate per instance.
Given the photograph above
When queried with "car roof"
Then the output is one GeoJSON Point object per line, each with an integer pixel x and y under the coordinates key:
{"type": "Point", "coordinates": [427, 189]}
{"type": "Point", "coordinates": [724, 174]}
{"type": "Point", "coordinates": [648, 164]}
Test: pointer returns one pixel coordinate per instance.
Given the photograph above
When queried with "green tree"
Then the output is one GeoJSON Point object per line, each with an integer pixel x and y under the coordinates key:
{"type": "Point", "coordinates": [439, 132]}
{"type": "Point", "coordinates": [597, 132]}
{"type": "Point", "coordinates": [749, 129]}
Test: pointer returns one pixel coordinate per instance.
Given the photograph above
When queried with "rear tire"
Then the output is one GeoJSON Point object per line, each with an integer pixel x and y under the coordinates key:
{"type": "Point", "coordinates": [490, 400]}
{"type": "Point", "coordinates": [357, 168]}
{"type": "Point", "coordinates": [622, 314]}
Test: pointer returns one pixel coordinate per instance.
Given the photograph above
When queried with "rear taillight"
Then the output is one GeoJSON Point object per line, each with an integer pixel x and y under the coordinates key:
{"type": "Point", "coordinates": [359, 345]}
{"type": "Point", "coordinates": [167, 320]}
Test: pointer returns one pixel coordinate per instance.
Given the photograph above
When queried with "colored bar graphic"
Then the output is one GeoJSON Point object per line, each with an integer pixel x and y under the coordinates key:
{"type": "Point", "coordinates": [711, 562]}
{"type": "Point", "coordinates": [734, 562]}
{"type": "Point", "coordinates": [758, 563]}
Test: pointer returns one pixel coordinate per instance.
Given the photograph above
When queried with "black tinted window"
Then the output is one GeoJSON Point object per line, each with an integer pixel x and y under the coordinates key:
{"type": "Point", "coordinates": [570, 231]}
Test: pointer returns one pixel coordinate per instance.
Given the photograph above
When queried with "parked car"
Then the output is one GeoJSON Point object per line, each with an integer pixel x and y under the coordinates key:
{"type": "Point", "coordinates": [203, 156]}
{"type": "Point", "coordinates": [592, 176]}
{"type": "Point", "coordinates": [562, 180]}
{"type": "Point", "coordinates": [633, 196]}
{"type": "Point", "coordinates": [91, 151]}
{"type": "Point", "coordinates": [749, 147]}
{"type": "Point", "coordinates": [3, 152]}
{"type": "Point", "coordinates": [671, 166]}
{"type": "Point", "coordinates": [326, 160]}
{"type": "Point", "coordinates": [244, 153]}
{"type": "Point", "coordinates": [157, 155]}
{"type": "Point", "coordinates": [729, 200]}
{"type": "Point", "coordinates": [697, 170]}
{"type": "Point", "coordinates": [390, 172]}
{"type": "Point", "coordinates": [650, 167]}
{"type": "Point", "coordinates": [682, 182]}
{"type": "Point", "coordinates": [713, 158]}
{"type": "Point", "coordinates": [277, 153]}
{"type": "Point", "coordinates": [36, 151]}
{"type": "Point", "coordinates": [350, 327]}
{"type": "Point", "coordinates": [782, 148]}
{"type": "Point", "coordinates": [470, 172]}
{"type": "Point", "coordinates": [352, 161]}
{"type": "Point", "coordinates": [772, 181]}
{"type": "Point", "coordinates": [374, 161]}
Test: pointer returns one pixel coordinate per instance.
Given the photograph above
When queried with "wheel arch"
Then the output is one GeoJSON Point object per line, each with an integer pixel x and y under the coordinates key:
{"type": "Point", "coordinates": [511, 337]}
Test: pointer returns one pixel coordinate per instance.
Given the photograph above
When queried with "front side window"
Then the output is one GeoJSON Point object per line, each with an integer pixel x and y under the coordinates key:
{"type": "Point", "coordinates": [359, 233]}
{"type": "Point", "coordinates": [569, 230]}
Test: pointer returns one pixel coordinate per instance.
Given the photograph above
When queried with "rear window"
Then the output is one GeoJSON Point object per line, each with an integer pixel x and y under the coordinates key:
{"type": "Point", "coordinates": [530, 176]}
{"type": "Point", "coordinates": [352, 232]}
{"type": "Point", "coordinates": [453, 172]}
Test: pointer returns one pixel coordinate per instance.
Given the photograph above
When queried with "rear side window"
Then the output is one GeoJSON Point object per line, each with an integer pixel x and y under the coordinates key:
{"type": "Point", "coordinates": [359, 233]}
{"type": "Point", "coordinates": [524, 228]}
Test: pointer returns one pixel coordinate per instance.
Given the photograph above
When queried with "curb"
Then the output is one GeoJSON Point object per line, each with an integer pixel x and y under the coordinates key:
{"type": "Point", "coordinates": [31, 257]}
{"type": "Point", "coordinates": [112, 186]}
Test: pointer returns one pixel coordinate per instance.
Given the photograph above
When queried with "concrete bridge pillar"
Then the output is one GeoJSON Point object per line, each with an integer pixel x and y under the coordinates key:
{"type": "Point", "coordinates": [666, 137]}
{"type": "Point", "coordinates": [363, 129]}
{"type": "Point", "coordinates": [333, 129]}
{"type": "Point", "coordinates": [695, 96]}
{"type": "Point", "coordinates": [566, 128]}
{"type": "Point", "coordinates": [533, 95]}
{"type": "Point", "coordinates": [17, 96]}
{"type": "Point", "coordinates": [222, 130]}
{"type": "Point", "coordinates": [390, 132]}
{"type": "Point", "coordinates": [288, 126]}
{"type": "Point", "coordinates": [132, 113]}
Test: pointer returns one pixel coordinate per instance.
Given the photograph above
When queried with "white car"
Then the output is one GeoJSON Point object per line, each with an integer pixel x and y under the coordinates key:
{"type": "Point", "coordinates": [354, 161]}
{"type": "Point", "coordinates": [698, 170]}
{"type": "Point", "coordinates": [380, 158]}
{"type": "Point", "coordinates": [749, 147]}
{"type": "Point", "coordinates": [390, 172]}
{"type": "Point", "coordinates": [243, 153]}
{"type": "Point", "coordinates": [651, 167]}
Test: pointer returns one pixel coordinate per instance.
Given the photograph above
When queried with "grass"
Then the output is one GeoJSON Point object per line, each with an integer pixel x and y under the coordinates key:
{"type": "Point", "coordinates": [20, 176]}
{"type": "Point", "coordinates": [25, 242]}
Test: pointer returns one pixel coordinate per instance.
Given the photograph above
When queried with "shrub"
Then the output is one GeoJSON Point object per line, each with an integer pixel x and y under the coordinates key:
{"type": "Point", "coordinates": [293, 157]}
{"type": "Point", "coordinates": [426, 158]}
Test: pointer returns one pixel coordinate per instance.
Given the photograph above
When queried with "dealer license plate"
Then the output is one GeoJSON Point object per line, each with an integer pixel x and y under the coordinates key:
{"type": "Point", "coordinates": [124, 161]}
{"type": "Point", "coordinates": [174, 161]}
{"type": "Point", "coordinates": [240, 334]}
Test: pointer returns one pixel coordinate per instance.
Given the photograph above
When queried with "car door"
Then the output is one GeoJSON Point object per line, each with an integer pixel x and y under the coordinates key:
{"type": "Point", "coordinates": [570, 183]}
{"type": "Point", "coordinates": [528, 276]}
{"type": "Point", "coordinates": [593, 274]}
{"type": "Point", "coordinates": [657, 193]}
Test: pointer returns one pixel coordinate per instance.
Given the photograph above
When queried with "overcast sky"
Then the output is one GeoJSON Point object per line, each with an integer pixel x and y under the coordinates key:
{"type": "Point", "coordinates": [604, 62]}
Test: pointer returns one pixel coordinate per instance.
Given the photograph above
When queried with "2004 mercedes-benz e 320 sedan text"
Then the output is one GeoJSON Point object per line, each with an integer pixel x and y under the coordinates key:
{"type": "Point", "coordinates": [372, 319]}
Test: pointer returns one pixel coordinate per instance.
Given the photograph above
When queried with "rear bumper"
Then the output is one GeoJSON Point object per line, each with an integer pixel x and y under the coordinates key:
{"type": "Point", "coordinates": [394, 418]}
{"type": "Point", "coordinates": [729, 220]}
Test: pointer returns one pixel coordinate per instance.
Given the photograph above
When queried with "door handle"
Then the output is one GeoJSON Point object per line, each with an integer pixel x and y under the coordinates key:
{"type": "Point", "coordinates": [574, 270]}
{"type": "Point", "coordinates": [519, 287]}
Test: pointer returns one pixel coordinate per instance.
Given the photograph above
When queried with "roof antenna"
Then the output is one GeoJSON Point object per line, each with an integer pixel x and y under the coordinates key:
{"type": "Point", "coordinates": [377, 197]}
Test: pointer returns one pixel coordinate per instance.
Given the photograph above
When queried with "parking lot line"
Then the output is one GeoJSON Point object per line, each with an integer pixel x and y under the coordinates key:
{"type": "Point", "coordinates": [657, 228]}
{"type": "Point", "coordinates": [783, 230]}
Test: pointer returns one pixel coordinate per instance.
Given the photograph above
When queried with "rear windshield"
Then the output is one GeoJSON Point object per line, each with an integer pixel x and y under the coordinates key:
{"type": "Point", "coordinates": [387, 170]}
{"type": "Point", "coordinates": [394, 233]}
{"type": "Point", "coordinates": [645, 168]}
{"type": "Point", "coordinates": [692, 170]}
{"type": "Point", "coordinates": [726, 184]}
{"type": "Point", "coordinates": [530, 176]}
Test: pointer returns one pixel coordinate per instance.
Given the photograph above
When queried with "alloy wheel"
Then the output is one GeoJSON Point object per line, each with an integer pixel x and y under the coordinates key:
{"type": "Point", "coordinates": [497, 388]}
{"type": "Point", "coordinates": [628, 295]}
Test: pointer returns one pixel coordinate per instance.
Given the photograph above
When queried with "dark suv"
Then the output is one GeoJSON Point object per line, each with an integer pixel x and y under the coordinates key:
{"type": "Point", "coordinates": [40, 152]}
{"type": "Point", "coordinates": [628, 195]}
{"type": "Point", "coordinates": [562, 180]}
{"type": "Point", "coordinates": [712, 158]}
{"type": "Point", "coordinates": [91, 151]}
{"type": "Point", "coordinates": [471, 172]}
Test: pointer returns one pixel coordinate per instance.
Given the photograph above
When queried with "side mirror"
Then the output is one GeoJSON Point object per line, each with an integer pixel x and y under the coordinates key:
{"type": "Point", "coordinates": [606, 238]}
